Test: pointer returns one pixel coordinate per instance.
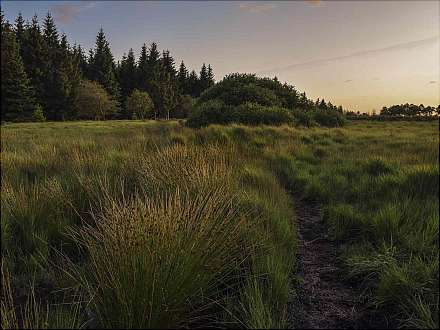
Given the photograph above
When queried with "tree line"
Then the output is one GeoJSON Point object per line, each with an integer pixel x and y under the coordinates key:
{"type": "Point", "coordinates": [400, 112]}
{"type": "Point", "coordinates": [44, 77]}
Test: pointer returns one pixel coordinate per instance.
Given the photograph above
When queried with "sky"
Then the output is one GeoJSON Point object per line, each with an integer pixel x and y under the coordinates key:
{"type": "Point", "coordinates": [360, 54]}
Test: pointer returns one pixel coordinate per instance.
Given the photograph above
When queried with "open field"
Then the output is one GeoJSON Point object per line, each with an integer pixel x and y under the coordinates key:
{"type": "Point", "coordinates": [153, 224]}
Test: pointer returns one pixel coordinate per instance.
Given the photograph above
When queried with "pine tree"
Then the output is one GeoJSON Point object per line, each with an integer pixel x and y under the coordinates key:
{"type": "Point", "coordinates": [168, 63]}
{"type": "Point", "coordinates": [127, 76]}
{"type": "Point", "coordinates": [34, 56]}
{"type": "Point", "coordinates": [204, 80]}
{"type": "Point", "coordinates": [50, 32]}
{"type": "Point", "coordinates": [67, 78]}
{"type": "Point", "coordinates": [153, 64]}
{"type": "Point", "coordinates": [182, 78]}
{"type": "Point", "coordinates": [80, 59]}
{"type": "Point", "coordinates": [20, 30]}
{"type": "Point", "coordinates": [17, 102]}
{"type": "Point", "coordinates": [102, 66]}
{"type": "Point", "coordinates": [142, 71]}
{"type": "Point", "coordinates": [211, 80]}
{"type": "Point", "coordinates": [193, 84]}
{"type": "Point", "coordinates": [60, 75]}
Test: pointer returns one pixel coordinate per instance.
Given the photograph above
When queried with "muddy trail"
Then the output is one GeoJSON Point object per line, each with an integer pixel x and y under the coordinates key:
{"type": "Point", "coordinates": [323, 300]}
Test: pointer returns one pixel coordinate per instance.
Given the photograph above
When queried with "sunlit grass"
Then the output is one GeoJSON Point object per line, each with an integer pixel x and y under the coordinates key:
{"type": "Point", "coordinates": [159, 225]}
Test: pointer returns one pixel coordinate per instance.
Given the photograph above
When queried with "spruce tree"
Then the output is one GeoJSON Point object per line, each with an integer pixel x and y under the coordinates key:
{"type": "Point", "coordinates": [182, 78]}
{"type": "Point", "coordinates": [168, 63]}
{"type": "Point", "coordinates": [102, 66]}
{"type": "Point", "coordinates": [204, 80]}
{"type": "Point", "coordinates": [193, 84]}
{"type": "Point", "coordinates": [142, 70]}
{"type": "Point", "coordinates": [153, 64]}
{"type": "Point", "coordinates": [50, 32]}
{"type": "Point", "coordinates": [81, 60]}
{"type": "Point", "coordinates": [17, 102]}
{"type": "Point", "coordinates": [210, 76]}
{"type": "Point", "coordinates": [20, 30]}
{"type": "Point", "coordinates": [34, 56]}
{"type": "Point", "coordinates": [127, 76]}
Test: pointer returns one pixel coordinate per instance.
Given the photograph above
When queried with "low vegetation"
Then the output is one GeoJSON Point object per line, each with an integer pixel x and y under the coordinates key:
{"type": "Point", "coordinates": [247, 99]}
{"type": "Point", "coordinates": [78, 198]}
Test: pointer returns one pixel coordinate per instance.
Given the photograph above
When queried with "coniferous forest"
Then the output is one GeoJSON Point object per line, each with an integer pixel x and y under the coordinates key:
{"type": "Point", "coordinates": [45, 77]}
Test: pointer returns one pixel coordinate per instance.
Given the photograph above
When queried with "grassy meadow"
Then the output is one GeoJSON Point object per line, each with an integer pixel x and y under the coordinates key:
{"type": "Point", "coordinates": [144, 224]}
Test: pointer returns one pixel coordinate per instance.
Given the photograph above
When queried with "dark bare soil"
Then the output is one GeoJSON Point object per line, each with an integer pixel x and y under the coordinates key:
{"type": "Point", "coordinates": [323, 299]}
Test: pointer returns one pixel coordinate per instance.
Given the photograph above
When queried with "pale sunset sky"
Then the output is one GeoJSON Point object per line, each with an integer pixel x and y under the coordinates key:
{"type": "Point", "coordinates": [361, 54]}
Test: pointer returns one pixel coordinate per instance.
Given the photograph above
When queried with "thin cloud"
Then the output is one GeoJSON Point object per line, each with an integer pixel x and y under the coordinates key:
{"type": "Point", "coordinates": [65, 13]}
{"type": "Point", "coordinates": [364, 53]}
{"type": "Point", "coordinates": [252, 7]}
{"type": "Point", "coordinates": [315, 3]}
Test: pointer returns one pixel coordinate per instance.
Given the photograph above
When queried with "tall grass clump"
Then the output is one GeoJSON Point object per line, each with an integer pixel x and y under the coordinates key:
{"type": "Point", "coordinates": [381, 205]}
{"type": "Point", "coordinates": [153, 261]}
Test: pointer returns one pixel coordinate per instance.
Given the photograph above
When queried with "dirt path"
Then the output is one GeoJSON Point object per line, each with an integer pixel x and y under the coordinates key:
{"type": "Point", "coordinates": [323, 299]}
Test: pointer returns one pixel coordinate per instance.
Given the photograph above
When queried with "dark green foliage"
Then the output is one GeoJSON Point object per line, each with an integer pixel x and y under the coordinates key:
{"type": "Point", "coordinates": [20, 31]}
{"type": "Point", "coordinates": [127, 77]}
{"type": "Point", "coordinates": [17, 98]}
{"type": "Point", "coordinates": [244, 88]}
{"type": "Point", "coordinates": [35, 58]}
{"type": "Point", "coordinates": [142, 69]}
{"type": "Point", "coordinates": [410, 110]}
{"type": "Point", "coordinates": [102, 66]}
{"type": "Point", "coordinates": [182, 78]}
{"type": "Point", "coordinates": [193, 84]}
{"type": "Point", "coordinates": [264, 100]}
{"type": "Point", "coordinates": [328, 117]}
{"type": "Point", "coordinates": [184, 107]}
{"type": "Point", "coordinates": [217, 112]}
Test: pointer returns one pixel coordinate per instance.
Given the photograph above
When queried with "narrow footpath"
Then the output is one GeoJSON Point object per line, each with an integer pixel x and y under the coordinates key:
{"type": "Point", "coordinates": [323, 299]}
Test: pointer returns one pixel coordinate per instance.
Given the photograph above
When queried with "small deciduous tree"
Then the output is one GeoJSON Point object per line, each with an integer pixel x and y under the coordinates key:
{"type": "Point", "coordinates": [139, 105]}
{"type": "Point", "coordinates": [93, 101]}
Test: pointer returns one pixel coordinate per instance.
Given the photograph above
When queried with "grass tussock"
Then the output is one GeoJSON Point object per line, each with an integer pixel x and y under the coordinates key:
{"type": "Point", "coordinates": [159, 225]}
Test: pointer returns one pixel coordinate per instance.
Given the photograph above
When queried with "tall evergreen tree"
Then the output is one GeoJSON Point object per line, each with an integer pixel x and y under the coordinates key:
{"type": "Point", "coordinates": [153, 63]}
{"type": "Point", "coordinates": [204, 79]}
{"type": "Point", "coordinates": [34, 56]}
{"type": "Point", "coordinates": [20, 30]}
{"type": "Point", "coordinates": [50, 32]}
{"type": "Point", "coordinates": [81, 59]}
{"type": "Point", "coordinates": [168, 63]}
{"type": "Point", "coordinates": [182, 78]}
{"type": "Point", "coordinates": [142, 70]}
{"type": "Point", "coordinates": [102, 66]}
{"type": "Point", "coordinates": [211, 80]}
{"type": "Point", "coordinates": [193, 84]}
{"type": "Point", "coordinates": [17, 102]}
{"type": "Point", "coordinates": [127, 75]}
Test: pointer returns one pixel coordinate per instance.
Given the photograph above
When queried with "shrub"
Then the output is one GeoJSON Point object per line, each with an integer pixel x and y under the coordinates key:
{"type": "Point", "coordinates": [139, 105]}
{"type": "Point", "coordinates": [236, 89]}
{"type": "Point", "coordinates": [328, 118]}
{"type": "Point", "coordinates": [38, 114]}
{"type": "Point", "coordinates": [216, 112]}
{"type": "Point", "coordinates": [304, 118]}
{"type": "Point", "coordinates": [210, 112]}
{"type": "Point", "coordinates": [93, 101]}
